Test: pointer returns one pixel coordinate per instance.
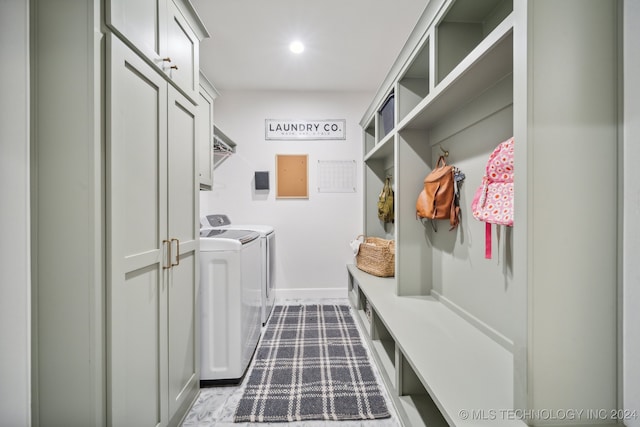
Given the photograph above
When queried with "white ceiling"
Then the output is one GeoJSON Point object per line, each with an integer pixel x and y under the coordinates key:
{"type": "Point", "coordinates": [349, 44]}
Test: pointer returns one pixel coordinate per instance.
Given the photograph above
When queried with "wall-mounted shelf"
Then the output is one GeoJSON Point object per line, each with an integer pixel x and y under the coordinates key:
{"type": "Point", "coordinates": [223, 147]}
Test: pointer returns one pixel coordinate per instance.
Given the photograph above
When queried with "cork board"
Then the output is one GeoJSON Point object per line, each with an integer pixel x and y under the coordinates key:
{"type": "Point", "coordinates": [292, 176]}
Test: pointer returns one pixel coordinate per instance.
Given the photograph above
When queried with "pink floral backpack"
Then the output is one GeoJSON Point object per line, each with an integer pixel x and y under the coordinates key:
{"type": "Point", "coordinates": [493, 201]}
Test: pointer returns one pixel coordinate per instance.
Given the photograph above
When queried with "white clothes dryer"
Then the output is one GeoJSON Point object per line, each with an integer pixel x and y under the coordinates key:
{"type": "Point", "coordinates": [231, 303]}
{"type": "Point", "coordinates": [268, 262]}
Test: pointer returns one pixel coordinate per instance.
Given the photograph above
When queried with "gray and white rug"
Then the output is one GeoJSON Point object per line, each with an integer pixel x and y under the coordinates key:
{"type": "Point", "coordinates": [311, 365]}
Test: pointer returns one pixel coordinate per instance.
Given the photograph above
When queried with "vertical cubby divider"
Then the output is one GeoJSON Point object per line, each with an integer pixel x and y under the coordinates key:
{"type": "Point", "coordinates": [413, 252]}
{"type": "Point", "coordinates": [384, 345]}
{"type": "Point", "coordinates": [352, 290]}
{"type": "Point", "coordinates": [364, 311]}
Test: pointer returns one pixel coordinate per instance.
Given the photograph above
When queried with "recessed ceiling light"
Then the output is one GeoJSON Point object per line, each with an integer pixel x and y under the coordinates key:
{"type": "Point", "coordinates": [296, 46]}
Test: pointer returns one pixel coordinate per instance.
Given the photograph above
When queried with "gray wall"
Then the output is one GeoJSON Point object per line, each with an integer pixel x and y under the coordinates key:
{"type": "Point", "coordinates": [15, 289]}
{"type": "Point", "coordinates": [312, 235]}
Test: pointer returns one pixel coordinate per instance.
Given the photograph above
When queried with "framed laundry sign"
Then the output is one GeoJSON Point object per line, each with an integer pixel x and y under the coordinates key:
{"type": "Point", "coordinates": [288, 129]}
{"type": "Point", "coordinates": [292, 176]}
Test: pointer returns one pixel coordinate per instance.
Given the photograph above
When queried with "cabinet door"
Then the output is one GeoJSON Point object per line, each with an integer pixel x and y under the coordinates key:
{"type": "Point", "coordinates": [142, 23]}
{"type": "Point", "coordinates": [205, 145]}
{"type": "Point", "coordinates": [136, 228]}
{"type": "Point", "coordinates": [183, 209]}
{"type": "Point", "coordinates": [183, 49]}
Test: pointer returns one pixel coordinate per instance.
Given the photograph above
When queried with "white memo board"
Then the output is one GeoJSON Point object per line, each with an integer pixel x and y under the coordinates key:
{"type": "Point", "coordinates": [337, 176]}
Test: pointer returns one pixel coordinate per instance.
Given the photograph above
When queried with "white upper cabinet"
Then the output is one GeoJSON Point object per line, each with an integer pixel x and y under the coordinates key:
{"type": "Point", "coordinates": [184, 52]}
{"type": "Point", "coordinates": [142, 23]}
{"type": "Point", "coordinates": [166, 32]}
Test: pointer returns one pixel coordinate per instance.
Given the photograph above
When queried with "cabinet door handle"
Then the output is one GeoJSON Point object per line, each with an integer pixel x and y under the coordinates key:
{"type": "Point", "coordinates": [177, 252]}
{"type": "Point", "coordinates": [174, 67]}
{"type": "Point", "coordinates": [168, 258]}
{"type": "Point", "coordinates": [167, 59]}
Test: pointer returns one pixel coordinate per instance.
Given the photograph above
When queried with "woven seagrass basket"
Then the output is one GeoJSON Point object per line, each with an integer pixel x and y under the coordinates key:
{"type": "Point", "coordinates": [377, 256]}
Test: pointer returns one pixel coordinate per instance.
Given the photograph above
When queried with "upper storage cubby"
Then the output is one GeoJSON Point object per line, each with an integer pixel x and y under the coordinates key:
{"type": "Point", "coordinates": [386, 116]}
{"type": "Point", "coordinates": [487, 64]}
{"type": "Point", "coordinates": [464, 26]}
{"type": "Point", "coordinates": [413, 85]}
{"type": "Point", "coordinates": [370, 136]}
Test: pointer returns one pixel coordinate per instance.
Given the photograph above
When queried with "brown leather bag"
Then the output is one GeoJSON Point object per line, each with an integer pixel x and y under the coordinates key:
{"type": "Point", "coordinates": [436, 201]}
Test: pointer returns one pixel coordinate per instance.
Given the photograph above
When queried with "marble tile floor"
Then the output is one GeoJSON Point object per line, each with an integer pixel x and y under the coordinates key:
{"type": "Point", "coordinates": [215, 406]}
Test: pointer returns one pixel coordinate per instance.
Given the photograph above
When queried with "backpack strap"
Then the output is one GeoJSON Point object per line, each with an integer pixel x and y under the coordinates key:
{"type": "Point", "coordinates": [454, 215]}
{"type": "Point", "coordinates": [487, 240]}
{"type": "Point", "coordinates": [454, 212]}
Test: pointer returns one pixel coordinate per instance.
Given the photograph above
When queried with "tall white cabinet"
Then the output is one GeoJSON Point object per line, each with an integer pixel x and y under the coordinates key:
{"type": "Point", "coordinates": [533, 331]}
{"type": "Point", "coordinates": [116, 211]}
{"type": "Point", "coordinates": [151, 187]}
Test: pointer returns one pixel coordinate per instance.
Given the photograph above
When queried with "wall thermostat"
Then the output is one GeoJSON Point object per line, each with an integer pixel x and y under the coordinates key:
{"type": "Point", "coordinates": [262, 180]}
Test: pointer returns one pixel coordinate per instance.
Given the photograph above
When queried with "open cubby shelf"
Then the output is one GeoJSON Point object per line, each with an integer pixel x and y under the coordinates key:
{"type": "Point", "coordinates": [382, 150]}
{"type": "Point", "coordinates": [370, 136]}
{"type": "Point", "coordinates": [453, 330]}
{"type": "Point", "coordinates": [435, 357]}
{"type": "Point", "coordinates": [464, 27]}
{"type": "Point", "coordinates": [414, 85]}
{"type": "Point", "coordinates": [420, 107]}
{"type": "Point", "coordinates": [443, 361]}
{"type": "Point", "coordinates": [487, 64]}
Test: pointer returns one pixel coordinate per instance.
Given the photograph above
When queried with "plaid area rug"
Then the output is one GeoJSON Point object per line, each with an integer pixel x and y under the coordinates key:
{"type": "Point", "coordinates": [311, 365]}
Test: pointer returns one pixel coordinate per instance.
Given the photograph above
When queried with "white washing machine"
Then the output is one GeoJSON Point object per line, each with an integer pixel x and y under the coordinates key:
{"type": "Point", "coordinates": [268, 244]}
{"type": "Point", "coordinates": [231, 303]}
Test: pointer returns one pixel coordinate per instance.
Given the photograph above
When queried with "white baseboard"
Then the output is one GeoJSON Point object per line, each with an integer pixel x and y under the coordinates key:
{"type": "Point", "coordinates": [311, 293]}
